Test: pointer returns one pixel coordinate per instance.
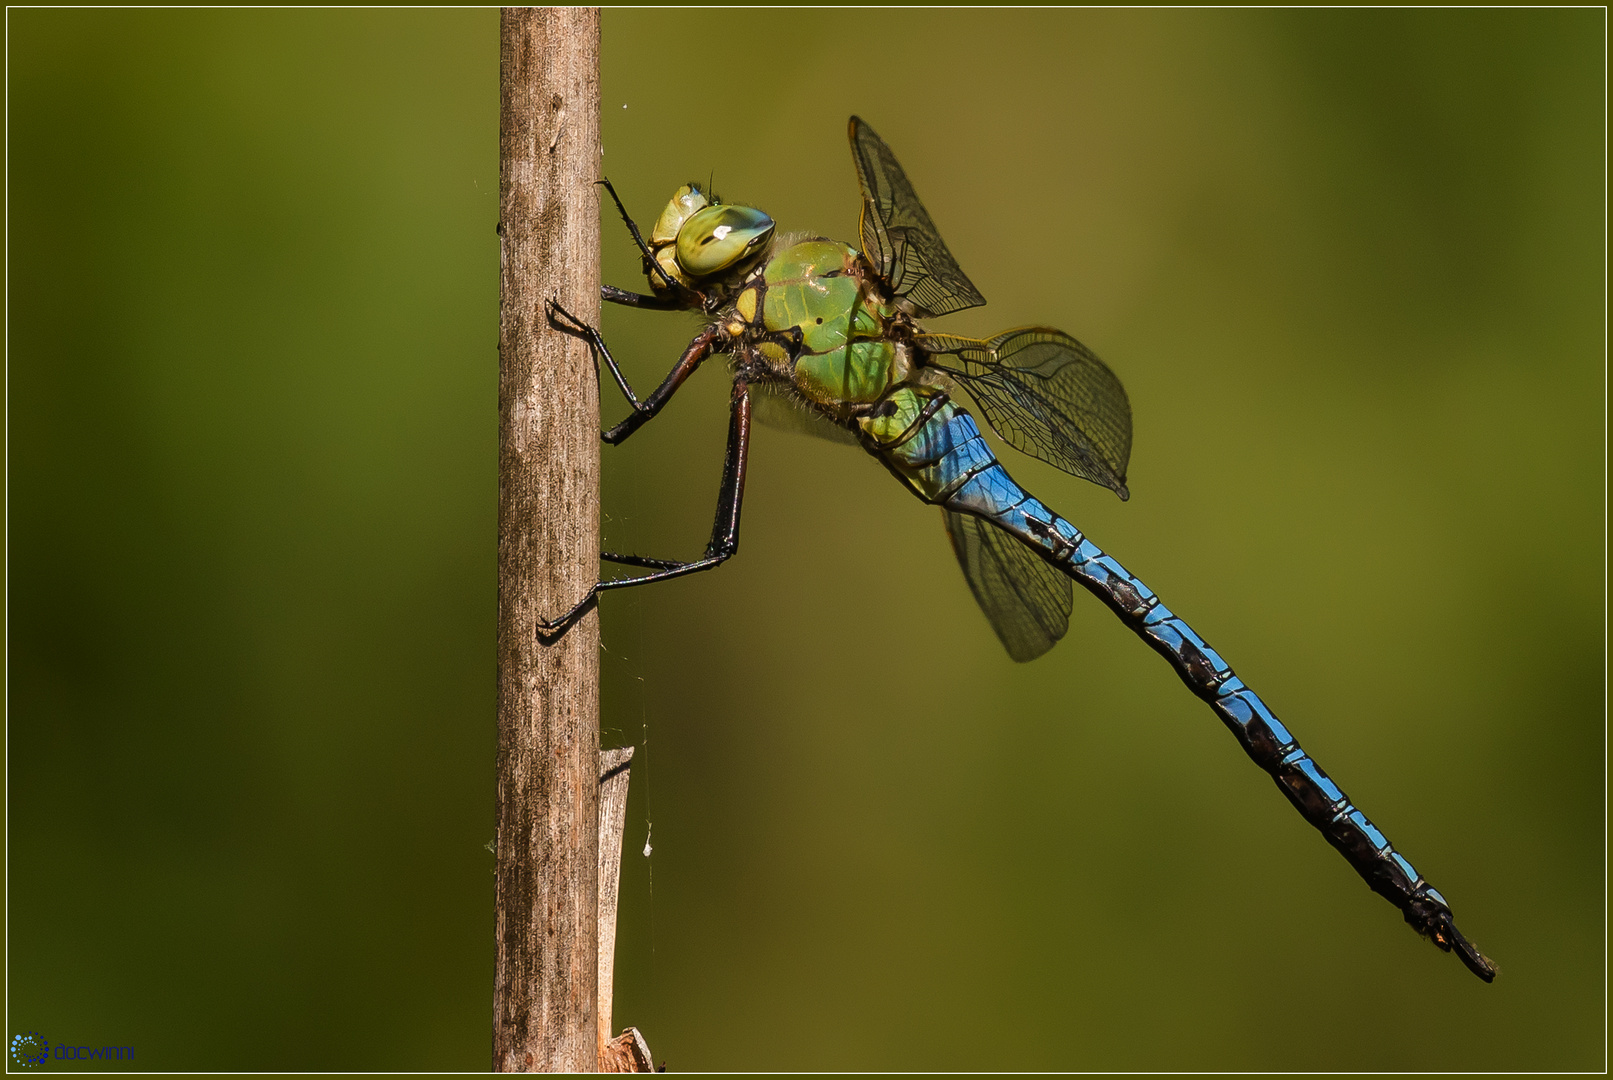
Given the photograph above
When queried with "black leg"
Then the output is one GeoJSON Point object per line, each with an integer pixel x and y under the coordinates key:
{"type": "Point", "coordinates": [693, 356]}
{"type": "Point", "coordinates": [650, 265]}
{"type": "Point", "coordinates": [679, 295]}
{"type": "Point", "coordinates": [669, 302]}
{"type": "Point", "coordinates": [700, 348]}
{"type": "Point", "coordinates": [639, 560]}
{"type": "Point", "coordinates": [565, 321]}
{"type": "Point", "coordinates": [724, 529]}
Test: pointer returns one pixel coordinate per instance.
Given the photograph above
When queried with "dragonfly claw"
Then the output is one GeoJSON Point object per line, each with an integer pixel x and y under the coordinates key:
{"type": "Point", "coordinates": [558, 318]}
{"type": "Point", "coordinates": [549, 632]}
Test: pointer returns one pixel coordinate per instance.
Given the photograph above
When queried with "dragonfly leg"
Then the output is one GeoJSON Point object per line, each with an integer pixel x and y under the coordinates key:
{"type": "Point", "coordinates": [627, 219]}
{"type": "Point", "coordinates": [724, 529]}
{"type": "Point", "coordinates": [639, 560]}
{"type": "Point", "coordinates": [650, 265]}
{"type": "Point", "coordinates": [700, 348]}
{"type": "Point", "coordinates": [643, 411]}
{"type": "Point", "coordinates": [678, 295]}
{"type": "Point", "coordinates": [639, 300]}
{"type": "Point", "coordinates": [566, 322]}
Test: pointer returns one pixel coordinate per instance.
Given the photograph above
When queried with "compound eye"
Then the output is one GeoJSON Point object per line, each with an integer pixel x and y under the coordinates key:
{"type": "Point", "coordinates": [685, 202]}
{"type": "Point", "coordinates": [719, 238]}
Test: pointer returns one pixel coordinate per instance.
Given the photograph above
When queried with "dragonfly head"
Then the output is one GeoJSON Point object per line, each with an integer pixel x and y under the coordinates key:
{"type": "Point", "coordinates": [719, 238]}
{"type": "Point", "coordinates": [697, 236]}
{"type": "Point", "coordinates": [686, 202]}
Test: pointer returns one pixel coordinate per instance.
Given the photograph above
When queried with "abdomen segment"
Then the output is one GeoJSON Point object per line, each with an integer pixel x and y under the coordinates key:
{"type": "Point", "coordinates": [935, 447]}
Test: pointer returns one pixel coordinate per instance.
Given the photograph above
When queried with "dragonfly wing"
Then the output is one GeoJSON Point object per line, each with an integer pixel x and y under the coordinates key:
{"type": "Point", "coordinates": [1047, 395]}
{"type": "Point", "coordinates": [1025, 599]}
{"type": "Point", "coordinates": [898, 235]}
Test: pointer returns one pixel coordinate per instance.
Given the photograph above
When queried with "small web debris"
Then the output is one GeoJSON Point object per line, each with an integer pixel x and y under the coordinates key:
{"type": "Point", "coordinates": [647, 847]}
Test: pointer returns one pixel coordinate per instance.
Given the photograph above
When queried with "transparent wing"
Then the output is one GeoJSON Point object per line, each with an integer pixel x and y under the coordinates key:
{"type": "Point", "coordinates": [898, 235]}
{"type": "Point", "coordinates": [1047, 395]}
{"type": "Point", "coordinates": [1025, 599]}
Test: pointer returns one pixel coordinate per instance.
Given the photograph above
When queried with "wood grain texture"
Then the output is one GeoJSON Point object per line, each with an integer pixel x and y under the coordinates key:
{"type": "Point", "coordinates": [614, 773]}
{"type": "Point", "coordinates": [613, 818]}
{"type": "Point", "coordinates": [547, 868]}
{"type": "Point", "coordinates": [626, 1053]}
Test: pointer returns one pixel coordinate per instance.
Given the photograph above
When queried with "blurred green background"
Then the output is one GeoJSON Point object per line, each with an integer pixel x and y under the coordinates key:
{"type": "Point", "coordinates": [1349, 266]}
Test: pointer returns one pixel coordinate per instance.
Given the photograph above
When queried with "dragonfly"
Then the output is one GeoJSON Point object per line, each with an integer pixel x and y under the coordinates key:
{"type": "Point", "coordinates": [832, 331]}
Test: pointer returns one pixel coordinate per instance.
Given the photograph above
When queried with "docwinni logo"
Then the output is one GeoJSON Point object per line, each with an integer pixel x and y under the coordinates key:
{"type": "Point", "coordinates": [31, 1048]}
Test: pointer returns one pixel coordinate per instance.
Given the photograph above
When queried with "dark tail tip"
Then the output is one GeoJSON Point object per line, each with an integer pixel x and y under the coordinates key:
{"type": "Point", "coordinates": [1124, 492]}
{"type": "Point", "coordinates": [1476, 962]}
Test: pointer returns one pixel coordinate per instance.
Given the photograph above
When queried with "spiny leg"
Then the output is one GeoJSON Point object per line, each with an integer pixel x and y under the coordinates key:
{"type": "Point", "coordinates": [698, 350]}
{"type": "Point", "coordinates": [566, 322]}
{"type": "Point", "coordinates": [638, 238]}
{"type": "Point", "coordinates": [679, 296]}
{"type": "Point", "coordinates": [724, 528]}
{"type": "Point", "coordinates": [638, 300]}
{"type": "Point", "coordinates": [639, 560]}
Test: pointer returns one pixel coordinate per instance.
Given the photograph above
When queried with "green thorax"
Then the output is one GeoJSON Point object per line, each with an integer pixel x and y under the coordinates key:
{"type": "Point", "coordinates": [816, 290]}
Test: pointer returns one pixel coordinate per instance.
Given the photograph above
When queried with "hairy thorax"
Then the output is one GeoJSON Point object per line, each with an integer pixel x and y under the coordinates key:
{"type": "Point", "coordinates": [812, 317]}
